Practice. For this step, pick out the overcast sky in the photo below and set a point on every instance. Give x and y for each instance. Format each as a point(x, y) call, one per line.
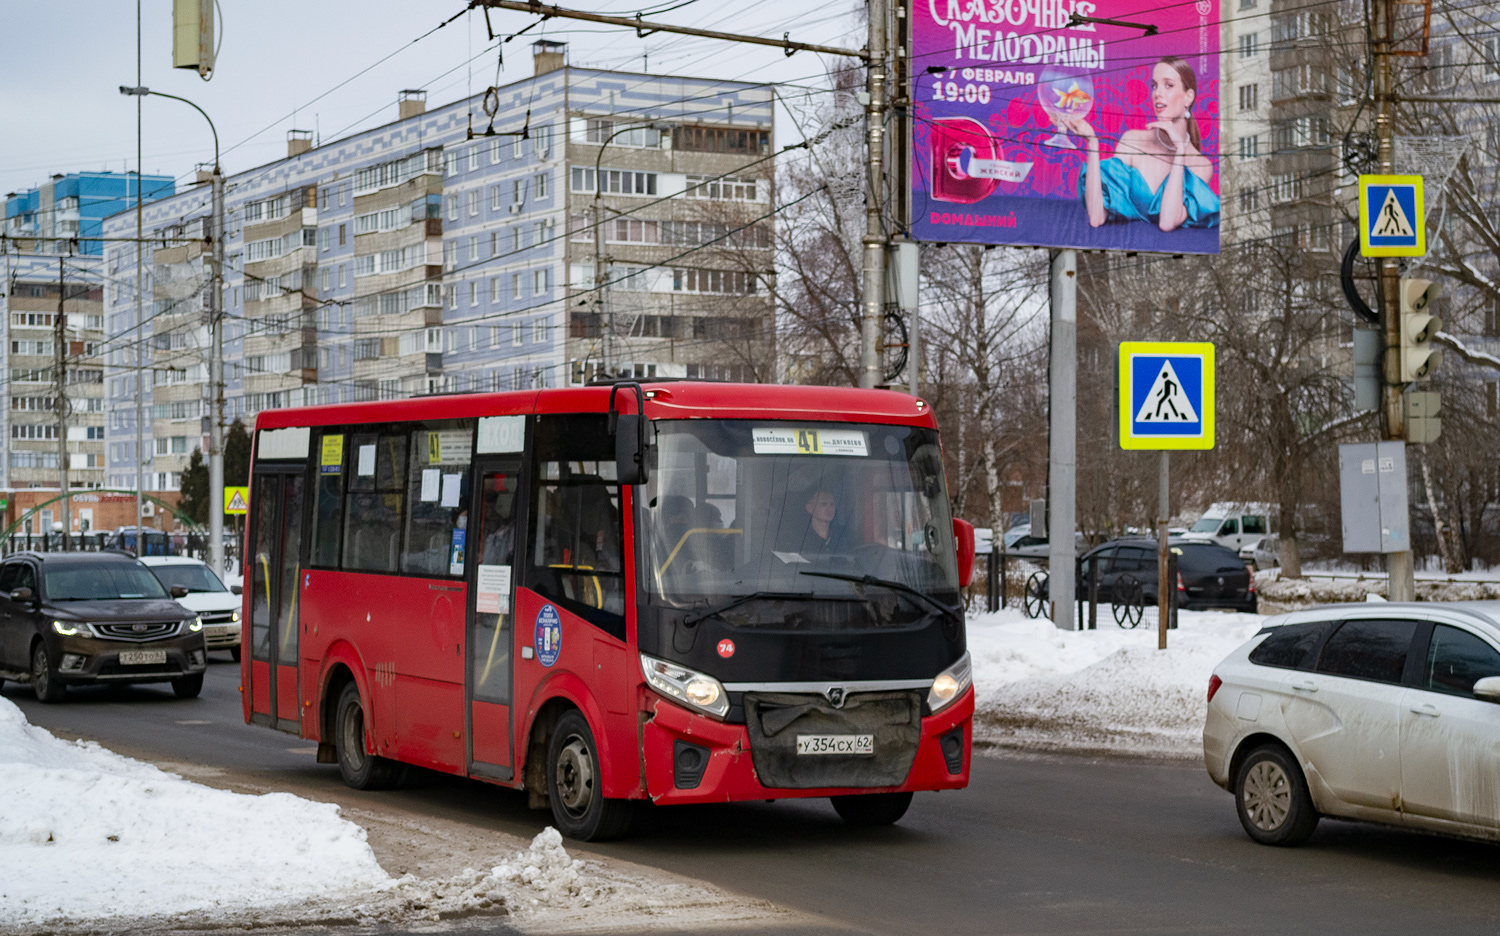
point(64, 63)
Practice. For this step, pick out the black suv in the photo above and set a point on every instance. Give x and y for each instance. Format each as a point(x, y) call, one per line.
point(71, 618)
point(1208, 575)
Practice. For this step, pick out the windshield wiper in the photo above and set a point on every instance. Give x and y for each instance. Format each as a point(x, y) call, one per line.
point(947, 609)
point(738, 600)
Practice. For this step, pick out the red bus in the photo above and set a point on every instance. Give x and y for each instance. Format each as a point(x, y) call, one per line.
point(685, 592)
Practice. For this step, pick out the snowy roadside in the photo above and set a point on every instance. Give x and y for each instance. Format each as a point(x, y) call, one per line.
point(94, 842)
point(1102, 691)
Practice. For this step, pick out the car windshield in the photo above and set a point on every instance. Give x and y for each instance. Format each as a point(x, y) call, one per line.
point(101, 582)
point(1207, 525)
point(194, 577)
point(795, 511)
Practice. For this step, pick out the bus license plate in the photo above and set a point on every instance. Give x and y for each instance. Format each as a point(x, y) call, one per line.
point(142, 657)
point(835, 744)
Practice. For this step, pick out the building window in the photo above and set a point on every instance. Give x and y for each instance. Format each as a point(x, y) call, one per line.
point(539, 331)
point(517, 191)
point(515, 285)
point(1249, 147)
point(473, 203)
point(1249, 200)
point(473, 249)
point(515, 333)
point(1249, 45)
point(494, 198)
point(539, 282)
point(541, 185)
point(473, 292)
point(1249, 96)
point(341, 235)
point(494, 289)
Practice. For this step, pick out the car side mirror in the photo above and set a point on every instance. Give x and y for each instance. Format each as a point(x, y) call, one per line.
point(963, 536)
point(1488, 689)
point(179, 591)
point(236, 590)
point(22, 595)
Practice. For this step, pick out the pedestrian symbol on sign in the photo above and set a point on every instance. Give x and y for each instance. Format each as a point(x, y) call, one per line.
point(1166, 401)
point(1392, 220)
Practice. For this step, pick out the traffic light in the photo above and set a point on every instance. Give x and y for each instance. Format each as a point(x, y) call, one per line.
point(1418, 358)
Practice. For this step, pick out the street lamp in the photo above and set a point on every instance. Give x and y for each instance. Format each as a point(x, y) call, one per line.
point(601, 280)
point(216, 350)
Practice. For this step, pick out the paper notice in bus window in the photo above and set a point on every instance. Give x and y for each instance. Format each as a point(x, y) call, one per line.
point(451, 485)
point(450, 447)
point(332, 461)
point(492, 590)
point(367, 461)
point(431, 481)
point(779, 441)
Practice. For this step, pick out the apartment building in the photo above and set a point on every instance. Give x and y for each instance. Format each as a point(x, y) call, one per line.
point(1244, 114)
point(66, 214)
point(454, 250)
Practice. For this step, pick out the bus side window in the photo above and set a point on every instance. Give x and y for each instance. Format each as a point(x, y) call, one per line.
point(576, 537)
point(372, 520)
point(328, 499)
point(437, 498)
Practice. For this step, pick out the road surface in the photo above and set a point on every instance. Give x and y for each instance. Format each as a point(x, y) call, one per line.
point(1035, 845)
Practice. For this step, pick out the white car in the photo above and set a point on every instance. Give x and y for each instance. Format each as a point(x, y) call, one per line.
point(1382, 712)
point(217, 606)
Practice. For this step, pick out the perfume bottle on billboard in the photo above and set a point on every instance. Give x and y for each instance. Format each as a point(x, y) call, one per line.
point(967, 163)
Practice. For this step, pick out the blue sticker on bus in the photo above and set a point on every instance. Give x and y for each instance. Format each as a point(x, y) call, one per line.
point(548, 635)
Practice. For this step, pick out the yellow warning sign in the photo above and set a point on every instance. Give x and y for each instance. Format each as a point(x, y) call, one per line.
point(236, 500)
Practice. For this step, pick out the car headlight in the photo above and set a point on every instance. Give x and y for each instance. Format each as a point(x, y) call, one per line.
point(196, 624)
point(950, 684)
point(72, 629)
point(234, 617)
point(694, 689)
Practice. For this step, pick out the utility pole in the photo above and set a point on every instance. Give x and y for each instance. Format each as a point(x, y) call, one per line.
point(1400, 566)
point(60, 403)
point(1062, 447)
point(872, 299)
point(216, 377)
point(140, 322)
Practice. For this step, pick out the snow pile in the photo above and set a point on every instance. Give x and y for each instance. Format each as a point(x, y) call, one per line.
point(88, 834)
point(1039, 688)
point(1282, 594)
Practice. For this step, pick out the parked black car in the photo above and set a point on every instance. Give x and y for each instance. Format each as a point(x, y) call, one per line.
point(68, 618)
point(1209, 575)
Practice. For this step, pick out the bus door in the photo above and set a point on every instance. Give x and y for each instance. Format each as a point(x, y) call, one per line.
point(490, 614)
point(275, 566)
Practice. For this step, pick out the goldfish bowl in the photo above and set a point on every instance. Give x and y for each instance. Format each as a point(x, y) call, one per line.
point(1064, 93)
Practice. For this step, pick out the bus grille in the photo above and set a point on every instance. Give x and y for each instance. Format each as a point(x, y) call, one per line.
point(154, 630)
point(774, 720)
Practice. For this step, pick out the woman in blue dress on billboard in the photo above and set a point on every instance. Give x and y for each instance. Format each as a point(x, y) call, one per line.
point(1158, 173)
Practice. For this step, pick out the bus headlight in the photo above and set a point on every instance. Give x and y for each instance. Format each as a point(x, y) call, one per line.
point(694, 689)
point(950, 684)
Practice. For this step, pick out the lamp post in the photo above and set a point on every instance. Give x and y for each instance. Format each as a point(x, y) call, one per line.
point(216, 349)
point(601, 279)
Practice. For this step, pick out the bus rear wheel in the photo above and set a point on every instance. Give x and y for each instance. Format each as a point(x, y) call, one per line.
point(871, 809)
point(575, 785)
point(359, 768)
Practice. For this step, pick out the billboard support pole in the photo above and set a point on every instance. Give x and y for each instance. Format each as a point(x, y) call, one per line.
point(1062, 448)
point(1165, 586)
point(872, 298)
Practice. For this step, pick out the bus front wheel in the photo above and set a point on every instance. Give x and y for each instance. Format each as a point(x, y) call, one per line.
point(575, 787)
point(359, 768)
point(871, 809)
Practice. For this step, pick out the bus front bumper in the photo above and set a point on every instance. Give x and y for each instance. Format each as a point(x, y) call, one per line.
point(730, 776)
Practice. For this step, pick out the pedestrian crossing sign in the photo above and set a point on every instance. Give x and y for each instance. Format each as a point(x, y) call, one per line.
point(1391, 219)
point(1166, 395)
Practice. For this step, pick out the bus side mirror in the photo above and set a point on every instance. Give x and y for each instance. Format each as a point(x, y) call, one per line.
point(630, 455)
point(963, 536)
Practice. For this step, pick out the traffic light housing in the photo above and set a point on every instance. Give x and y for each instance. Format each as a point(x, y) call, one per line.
point(1418, 325)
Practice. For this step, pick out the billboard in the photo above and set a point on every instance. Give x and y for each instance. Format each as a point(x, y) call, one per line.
point(1032, 127)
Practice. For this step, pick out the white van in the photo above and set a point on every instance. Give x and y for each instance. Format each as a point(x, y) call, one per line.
point(1232, 525)
point(217, 606)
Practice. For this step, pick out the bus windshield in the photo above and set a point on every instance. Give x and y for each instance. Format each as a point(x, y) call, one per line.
point(799, 514)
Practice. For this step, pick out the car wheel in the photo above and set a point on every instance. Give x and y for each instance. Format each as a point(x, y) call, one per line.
point(575, 785)
point(44, 683)
point(1271, 796)
point(871, 809)
point(234, 654)
point(359, 768)
point(188, 687)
